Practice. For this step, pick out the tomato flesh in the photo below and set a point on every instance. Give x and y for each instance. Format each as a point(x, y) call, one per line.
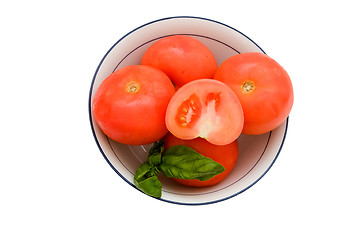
point(189, 111)
point(205, 108)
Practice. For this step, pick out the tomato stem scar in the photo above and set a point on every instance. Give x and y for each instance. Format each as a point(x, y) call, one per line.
point(132, 87)
point(248, 87)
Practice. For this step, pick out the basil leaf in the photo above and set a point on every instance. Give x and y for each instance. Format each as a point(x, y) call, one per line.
point(146, 180)
point(144, 169)
point(151, 186)
point(155, 152)
point(184, 162)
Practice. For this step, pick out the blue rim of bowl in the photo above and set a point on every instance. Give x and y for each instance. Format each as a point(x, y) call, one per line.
point(111, 165)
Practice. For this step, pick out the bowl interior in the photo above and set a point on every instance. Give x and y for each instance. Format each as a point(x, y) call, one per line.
point(256, 153)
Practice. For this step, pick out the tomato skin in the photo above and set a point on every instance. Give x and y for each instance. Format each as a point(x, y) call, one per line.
point(130, 104)
point(182, 58)
point(263, 87)
point(226, 155)
point(205, 108)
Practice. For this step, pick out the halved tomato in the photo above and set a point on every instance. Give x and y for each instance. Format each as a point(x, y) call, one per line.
point(205, 108)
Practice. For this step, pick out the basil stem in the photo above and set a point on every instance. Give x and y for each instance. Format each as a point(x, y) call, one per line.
point(155, 152)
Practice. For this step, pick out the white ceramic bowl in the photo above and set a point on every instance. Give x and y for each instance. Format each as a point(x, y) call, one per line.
point(256, 153)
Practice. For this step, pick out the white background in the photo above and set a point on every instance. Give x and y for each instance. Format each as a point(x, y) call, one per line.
point(55, 184)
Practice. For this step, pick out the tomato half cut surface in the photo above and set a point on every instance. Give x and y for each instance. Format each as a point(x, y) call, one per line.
point(205, 108)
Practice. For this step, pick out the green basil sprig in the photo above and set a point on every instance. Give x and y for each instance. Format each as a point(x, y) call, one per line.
point(177, 162)
point(184, 162)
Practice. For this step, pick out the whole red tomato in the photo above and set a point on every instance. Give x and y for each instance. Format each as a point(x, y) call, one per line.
point(263, 87)
point(226, 155)
point(130, 105)
point(182, 58)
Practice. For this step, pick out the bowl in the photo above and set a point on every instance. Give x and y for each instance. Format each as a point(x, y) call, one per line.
point(257, 153)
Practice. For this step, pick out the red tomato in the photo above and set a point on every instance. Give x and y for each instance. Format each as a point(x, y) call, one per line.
point(263, 87)
point(205, 108)
point(182, 58)
point(226, 155)
point(130, 104)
